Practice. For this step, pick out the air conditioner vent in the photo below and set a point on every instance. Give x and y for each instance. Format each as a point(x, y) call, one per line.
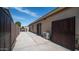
point(46, 35)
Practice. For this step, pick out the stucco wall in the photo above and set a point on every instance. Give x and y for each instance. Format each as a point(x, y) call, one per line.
point(70, 12)
point(46, 24)
point(66, 14)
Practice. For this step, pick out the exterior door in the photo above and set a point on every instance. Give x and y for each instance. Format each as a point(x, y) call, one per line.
point(39, 29)
point(63, 32)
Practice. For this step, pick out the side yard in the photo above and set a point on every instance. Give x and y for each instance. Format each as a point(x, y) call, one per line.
point(28, 41)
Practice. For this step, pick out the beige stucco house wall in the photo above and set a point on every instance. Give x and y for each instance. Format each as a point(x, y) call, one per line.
point(66, 13)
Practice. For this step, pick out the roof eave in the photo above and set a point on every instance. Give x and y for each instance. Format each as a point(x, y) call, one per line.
point(50, 13)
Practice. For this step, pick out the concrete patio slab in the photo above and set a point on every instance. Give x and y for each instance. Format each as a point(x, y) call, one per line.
point(28, 41)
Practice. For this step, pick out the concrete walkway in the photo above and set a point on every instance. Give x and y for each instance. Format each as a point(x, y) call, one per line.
point(28, 41)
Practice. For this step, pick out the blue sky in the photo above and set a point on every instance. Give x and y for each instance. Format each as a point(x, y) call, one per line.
point(27, 15)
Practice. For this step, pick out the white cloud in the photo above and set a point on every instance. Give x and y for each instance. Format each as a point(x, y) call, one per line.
point(26, 11)
point(17, 18)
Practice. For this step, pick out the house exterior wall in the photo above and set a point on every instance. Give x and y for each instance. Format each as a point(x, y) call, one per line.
point(66, 13)
point(46, 22)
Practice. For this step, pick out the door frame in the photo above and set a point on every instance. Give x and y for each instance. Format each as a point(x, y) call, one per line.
point(39, 27)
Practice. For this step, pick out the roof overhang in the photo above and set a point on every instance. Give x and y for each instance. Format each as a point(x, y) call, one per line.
point(53, 12)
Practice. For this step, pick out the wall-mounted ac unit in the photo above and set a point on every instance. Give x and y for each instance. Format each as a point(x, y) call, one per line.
point(46, 35)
